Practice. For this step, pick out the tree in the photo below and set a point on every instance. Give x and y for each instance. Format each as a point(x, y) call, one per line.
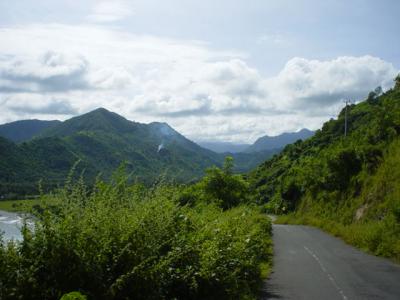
point(224, 187)
point(378, 91)
point(397, 82)
point(373, 95)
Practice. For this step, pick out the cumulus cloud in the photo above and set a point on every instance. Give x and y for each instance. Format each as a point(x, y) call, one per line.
point(204, 93)
point(312, 83)
point(50, 72)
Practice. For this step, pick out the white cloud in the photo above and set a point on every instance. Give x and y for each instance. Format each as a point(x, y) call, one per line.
point(50, 72)
point(105, 11)
point(316, 83)
point(204, 93)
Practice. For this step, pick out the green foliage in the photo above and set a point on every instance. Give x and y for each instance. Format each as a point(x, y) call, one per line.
point(219, 186)
point(24, 205)
point(101, 140)
point(346, 185)
point(397, 82)
point(122, 241)
point(24, 130)
point(73, 296)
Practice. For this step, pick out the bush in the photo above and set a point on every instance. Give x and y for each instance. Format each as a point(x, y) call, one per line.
point(125, 242)
point(220, 187)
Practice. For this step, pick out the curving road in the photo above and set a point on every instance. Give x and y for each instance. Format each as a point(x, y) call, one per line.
point(310, 264)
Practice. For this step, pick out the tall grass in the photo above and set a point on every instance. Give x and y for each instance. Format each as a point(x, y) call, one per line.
point(126, 242)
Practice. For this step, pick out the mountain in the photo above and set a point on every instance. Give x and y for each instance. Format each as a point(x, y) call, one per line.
point(265, 143)
point(243, 161)
point(101, 140)
point(279, 141)
point(348, 185)
point(104, 139)
point(224, 147)
point(24, 130)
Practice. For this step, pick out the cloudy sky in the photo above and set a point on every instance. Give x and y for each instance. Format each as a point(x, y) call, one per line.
point(213, 69)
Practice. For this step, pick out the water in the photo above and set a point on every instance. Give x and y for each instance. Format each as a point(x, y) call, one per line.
point(10, 225)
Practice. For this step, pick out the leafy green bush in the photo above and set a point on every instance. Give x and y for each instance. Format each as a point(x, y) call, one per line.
point(125, 242)
point(219, 186)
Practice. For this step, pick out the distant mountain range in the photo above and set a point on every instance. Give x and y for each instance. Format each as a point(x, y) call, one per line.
point(101, 140)
point(24, 130)
point(224, 147)
point(265, 143)
point(279, 141)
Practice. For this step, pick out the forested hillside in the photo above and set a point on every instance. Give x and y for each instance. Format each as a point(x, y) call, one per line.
point(100, 141)
point(24, 130)
point(349, 185)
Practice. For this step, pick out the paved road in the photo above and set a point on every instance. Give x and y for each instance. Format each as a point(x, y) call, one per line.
point(310, 264)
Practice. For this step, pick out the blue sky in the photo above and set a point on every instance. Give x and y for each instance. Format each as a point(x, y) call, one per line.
point(215, 70)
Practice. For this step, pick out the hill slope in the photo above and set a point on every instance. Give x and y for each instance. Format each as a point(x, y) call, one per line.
point(25, 130)
point(348, 185)
point(101, 140)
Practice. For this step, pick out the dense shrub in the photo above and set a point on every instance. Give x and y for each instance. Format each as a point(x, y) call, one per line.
point(127, 242)
point(220, 186)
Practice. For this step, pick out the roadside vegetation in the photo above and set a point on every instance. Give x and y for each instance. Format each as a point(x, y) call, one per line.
point(370, 221)
point(347, 185)
point(123, 241)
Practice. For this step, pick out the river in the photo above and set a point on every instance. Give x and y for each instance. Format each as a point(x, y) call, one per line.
point(10, 225)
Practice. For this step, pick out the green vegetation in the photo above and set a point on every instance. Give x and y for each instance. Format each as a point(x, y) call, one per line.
point(346, 185)
point(21, 131)
point(220, 186)
point(19, 205)
point(73, 296)
point(101, 141)
point(123, 241)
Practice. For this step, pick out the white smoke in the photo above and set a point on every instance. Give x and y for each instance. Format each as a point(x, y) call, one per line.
point(161, 146)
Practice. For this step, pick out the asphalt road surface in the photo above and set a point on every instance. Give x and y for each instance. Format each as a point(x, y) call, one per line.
point(310, 264)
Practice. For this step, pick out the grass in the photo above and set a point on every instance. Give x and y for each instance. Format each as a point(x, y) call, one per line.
point(27, 205)
point(18, 205)
point(380, 238)
point(368, 219)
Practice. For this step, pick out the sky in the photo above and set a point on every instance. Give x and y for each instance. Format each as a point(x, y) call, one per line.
point(215, 70)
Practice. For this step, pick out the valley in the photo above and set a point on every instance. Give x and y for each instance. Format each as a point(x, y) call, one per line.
point(100, 141)
point(202, 231)
point(199, 150)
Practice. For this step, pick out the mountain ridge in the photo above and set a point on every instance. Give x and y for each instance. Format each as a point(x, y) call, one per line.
point(24, 130)
point(279, 141)
point(101, 140)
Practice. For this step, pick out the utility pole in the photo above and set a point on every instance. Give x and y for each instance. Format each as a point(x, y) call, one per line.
point(347, 102)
